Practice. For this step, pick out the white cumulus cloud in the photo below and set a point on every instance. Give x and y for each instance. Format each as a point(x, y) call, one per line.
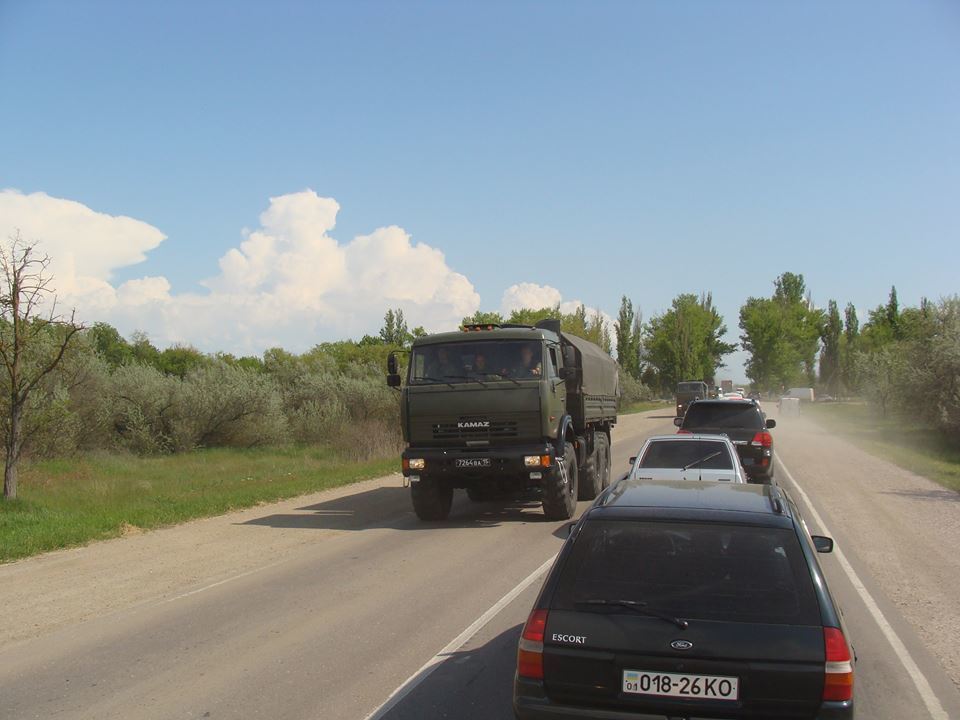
point(289, 282)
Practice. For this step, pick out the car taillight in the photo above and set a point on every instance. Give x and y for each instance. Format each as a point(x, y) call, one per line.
point(530, 652)
point(684, 432)
point(762, 439)
point(838, 673)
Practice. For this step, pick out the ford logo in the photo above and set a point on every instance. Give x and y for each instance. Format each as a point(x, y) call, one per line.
point(681, 644)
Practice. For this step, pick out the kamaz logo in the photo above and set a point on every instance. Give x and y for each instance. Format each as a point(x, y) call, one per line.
point(472, 424)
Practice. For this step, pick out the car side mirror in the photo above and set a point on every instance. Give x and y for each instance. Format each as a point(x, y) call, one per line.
point(391, 365)
point(633, 461)
point(678, 421)
point(771, 423)
point(570, 527)
point(822, 543)
point(393, 380)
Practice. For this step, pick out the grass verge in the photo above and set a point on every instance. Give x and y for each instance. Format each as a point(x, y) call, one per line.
point(903, 442)
point(70, 502)
point(644, 406)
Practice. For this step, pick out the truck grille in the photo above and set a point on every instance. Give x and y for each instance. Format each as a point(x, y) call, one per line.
point(482, 430)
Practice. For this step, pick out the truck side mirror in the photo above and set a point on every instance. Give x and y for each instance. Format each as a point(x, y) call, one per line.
point(393, 380)
point(771, 423)
point(563, 372)
point(392, 364)
point(678, 421)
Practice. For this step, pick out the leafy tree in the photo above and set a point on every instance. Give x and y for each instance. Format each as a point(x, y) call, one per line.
point(684, 342)
point(850, 347)
point(628, 328)
point(32, 342)
point(395, 331)
point(110, 345)
point(882, 375)
point(180, 360)
point(782, 335)
point(830, 353)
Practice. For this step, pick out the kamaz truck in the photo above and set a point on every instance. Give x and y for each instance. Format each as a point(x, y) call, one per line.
point(506, 410)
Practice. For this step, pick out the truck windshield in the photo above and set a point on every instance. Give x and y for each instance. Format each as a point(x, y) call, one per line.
point(694, 387)
point(477, 360)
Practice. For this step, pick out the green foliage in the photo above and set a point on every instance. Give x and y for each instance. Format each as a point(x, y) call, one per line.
point(684, 343)
point(628, 328)
point(579, 322)
point(483, 318)
point(782, 334)
point(830, 373)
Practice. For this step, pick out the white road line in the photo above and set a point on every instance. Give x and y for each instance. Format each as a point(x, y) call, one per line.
point(919, 680)
point(476, 626)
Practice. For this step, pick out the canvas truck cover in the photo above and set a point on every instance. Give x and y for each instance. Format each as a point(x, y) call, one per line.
point(599, 386)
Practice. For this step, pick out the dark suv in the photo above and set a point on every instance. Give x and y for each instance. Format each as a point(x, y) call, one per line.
point(674, 599)
point(746, 426)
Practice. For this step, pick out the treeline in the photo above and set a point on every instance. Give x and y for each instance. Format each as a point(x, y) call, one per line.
point(109, 393)
point(905, 359)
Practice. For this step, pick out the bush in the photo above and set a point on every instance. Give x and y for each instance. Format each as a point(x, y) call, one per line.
point(632, 391)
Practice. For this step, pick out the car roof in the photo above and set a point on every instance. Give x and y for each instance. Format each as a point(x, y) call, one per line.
point(701, 501)
point(687, 437)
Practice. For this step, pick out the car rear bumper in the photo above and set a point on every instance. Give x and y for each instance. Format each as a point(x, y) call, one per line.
point(530, 703)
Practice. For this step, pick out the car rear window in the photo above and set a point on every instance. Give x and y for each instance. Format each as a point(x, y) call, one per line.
point(723, 415)
point(680, 453)
point(706, 571)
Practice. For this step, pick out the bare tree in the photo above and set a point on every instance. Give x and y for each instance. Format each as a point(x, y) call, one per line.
point(32, 341)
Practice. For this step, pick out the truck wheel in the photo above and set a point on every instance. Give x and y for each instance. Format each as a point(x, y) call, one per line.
point(431, 500)
point(560, 497)
point(591, 479)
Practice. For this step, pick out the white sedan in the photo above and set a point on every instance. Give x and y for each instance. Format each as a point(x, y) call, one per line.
point(688, 457)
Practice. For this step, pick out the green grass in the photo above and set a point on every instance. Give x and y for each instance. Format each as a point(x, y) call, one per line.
point(72, 501)
point(644, 406)
point(903, 442)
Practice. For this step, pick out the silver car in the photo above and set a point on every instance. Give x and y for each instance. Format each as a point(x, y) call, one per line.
point(688, 457)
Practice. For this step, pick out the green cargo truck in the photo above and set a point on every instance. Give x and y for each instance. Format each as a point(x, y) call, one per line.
point(501, 410)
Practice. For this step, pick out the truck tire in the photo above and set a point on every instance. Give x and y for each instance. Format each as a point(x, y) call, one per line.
point(591, 480)
point(431, 500)
point(559, 496)
point(603, 459)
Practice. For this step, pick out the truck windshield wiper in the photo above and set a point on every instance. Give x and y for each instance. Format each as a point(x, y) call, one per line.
point(434, 379)
point(702, 460)
point(506, 377)
point(637, 606)
point(468, 378)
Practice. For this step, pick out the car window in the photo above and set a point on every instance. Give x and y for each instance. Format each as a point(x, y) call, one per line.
point(723, 415)
point(707, 571)
point(680, 453)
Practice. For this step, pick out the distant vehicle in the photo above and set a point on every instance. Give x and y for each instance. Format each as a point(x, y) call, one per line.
point(505, 409)
point(754, 395)
point(744, 423)
point(688, 457)
point(681, 600)
point(726, 386)
point(801, 393)
point(687, 392)
point(734, 395)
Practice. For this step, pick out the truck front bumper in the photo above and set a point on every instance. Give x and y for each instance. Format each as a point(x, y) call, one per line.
point(461, 467)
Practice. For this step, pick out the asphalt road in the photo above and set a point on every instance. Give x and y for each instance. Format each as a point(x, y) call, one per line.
point(332, 626)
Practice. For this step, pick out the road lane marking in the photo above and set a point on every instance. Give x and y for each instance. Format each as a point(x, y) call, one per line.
point(906, 659)
point(459, 641)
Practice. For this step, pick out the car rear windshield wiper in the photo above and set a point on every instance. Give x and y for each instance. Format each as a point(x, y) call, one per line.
point(637, 606)
point(702, 460)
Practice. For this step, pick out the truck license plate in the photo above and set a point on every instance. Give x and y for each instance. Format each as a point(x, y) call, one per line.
point(472, 462)
point(705, 687)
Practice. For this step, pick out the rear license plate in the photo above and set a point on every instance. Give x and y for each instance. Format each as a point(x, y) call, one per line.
point(704, 687)
point(472, 462)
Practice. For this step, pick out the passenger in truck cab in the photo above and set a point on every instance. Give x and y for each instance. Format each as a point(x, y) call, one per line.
point(527, 368)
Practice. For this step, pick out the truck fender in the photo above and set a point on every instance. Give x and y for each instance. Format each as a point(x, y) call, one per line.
point(564, 434)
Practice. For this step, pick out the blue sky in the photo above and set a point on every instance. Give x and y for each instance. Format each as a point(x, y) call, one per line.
point(601, 149)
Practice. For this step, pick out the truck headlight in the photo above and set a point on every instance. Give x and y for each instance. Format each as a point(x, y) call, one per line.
point(416, 463)
point(536, 460)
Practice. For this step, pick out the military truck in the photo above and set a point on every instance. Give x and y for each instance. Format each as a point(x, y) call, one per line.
point(506, 410)
point(687, 392)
